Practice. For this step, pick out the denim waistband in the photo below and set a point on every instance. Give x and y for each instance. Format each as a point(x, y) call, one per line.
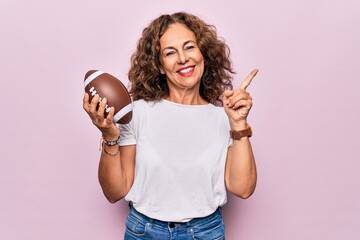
point(195, 221)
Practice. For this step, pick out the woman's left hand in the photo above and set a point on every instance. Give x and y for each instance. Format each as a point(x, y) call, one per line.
point(237, 103)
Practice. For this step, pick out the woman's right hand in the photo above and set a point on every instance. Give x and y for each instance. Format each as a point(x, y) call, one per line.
point(106, 125)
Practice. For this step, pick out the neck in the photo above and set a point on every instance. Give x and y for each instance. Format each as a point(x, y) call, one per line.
point(186, 98)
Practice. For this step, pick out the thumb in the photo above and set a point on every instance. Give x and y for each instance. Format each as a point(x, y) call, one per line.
point(228, 93)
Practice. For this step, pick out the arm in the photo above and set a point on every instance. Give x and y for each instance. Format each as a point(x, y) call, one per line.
point(240, 168)
point(116, 173)
point(116, 168)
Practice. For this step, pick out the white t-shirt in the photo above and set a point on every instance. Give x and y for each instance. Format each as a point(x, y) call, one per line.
point(180, 159)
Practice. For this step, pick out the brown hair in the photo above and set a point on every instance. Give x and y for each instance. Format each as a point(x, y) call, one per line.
point(149, 84)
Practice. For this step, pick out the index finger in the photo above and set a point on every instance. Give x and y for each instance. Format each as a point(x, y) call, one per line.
point(248, 79)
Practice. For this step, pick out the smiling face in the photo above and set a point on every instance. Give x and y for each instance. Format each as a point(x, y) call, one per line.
point(181, 59)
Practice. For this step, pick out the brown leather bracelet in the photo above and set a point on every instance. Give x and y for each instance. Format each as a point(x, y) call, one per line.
point(237, 135)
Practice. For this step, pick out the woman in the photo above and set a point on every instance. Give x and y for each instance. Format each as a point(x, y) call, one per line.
point(176, 159)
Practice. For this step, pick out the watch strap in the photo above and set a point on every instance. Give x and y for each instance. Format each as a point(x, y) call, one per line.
point(237, 135)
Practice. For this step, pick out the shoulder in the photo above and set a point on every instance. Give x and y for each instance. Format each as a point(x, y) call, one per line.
point(219, 113)
point(142, 109)
point(141, 104)
point(219, 110)
point(138, 103)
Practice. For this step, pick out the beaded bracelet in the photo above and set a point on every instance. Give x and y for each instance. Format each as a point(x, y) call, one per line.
point(112, 154)
point(111, 143)
point(102, 142)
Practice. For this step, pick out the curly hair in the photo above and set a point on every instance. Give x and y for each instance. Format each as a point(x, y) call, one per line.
point(149, 84)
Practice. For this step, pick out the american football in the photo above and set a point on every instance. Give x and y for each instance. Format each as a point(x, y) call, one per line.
point(111, 88)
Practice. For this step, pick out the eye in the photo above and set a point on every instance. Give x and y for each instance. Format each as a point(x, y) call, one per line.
point(189, 47)
point(170, 53)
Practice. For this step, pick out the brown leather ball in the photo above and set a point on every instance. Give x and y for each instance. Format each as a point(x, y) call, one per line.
point(111, 88)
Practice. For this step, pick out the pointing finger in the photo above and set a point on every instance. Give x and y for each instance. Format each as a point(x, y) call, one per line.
point(248, 79)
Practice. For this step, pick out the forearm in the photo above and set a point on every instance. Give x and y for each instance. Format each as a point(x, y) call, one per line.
point(111, 174)
point(241, 167)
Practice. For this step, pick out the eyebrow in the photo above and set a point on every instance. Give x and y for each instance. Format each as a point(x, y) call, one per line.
point(171, 47)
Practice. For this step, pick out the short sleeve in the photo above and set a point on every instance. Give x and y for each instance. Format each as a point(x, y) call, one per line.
point(127, 134)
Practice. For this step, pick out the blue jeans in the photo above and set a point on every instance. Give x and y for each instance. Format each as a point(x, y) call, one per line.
point(141, 227)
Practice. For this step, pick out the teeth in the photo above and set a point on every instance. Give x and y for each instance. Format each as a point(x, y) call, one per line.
point(186, 70)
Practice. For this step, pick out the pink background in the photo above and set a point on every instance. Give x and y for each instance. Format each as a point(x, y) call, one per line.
point(305, 117)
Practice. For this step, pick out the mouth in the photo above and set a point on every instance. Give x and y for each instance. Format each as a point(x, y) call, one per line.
point(186, 71)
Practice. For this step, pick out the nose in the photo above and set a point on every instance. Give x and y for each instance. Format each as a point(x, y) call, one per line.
point(183, 57)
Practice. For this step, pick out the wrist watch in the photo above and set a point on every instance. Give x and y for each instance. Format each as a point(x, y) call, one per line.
point(237, 135)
